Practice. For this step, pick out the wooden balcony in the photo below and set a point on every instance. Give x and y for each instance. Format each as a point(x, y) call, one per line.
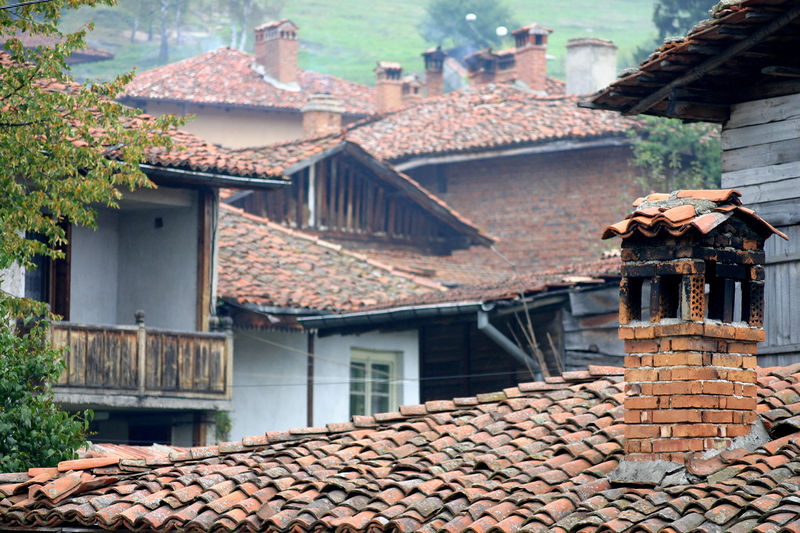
point(139, 367)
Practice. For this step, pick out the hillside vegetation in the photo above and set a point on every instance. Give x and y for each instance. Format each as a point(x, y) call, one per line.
point(346, 37)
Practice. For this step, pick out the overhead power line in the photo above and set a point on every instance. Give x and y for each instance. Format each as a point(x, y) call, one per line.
point(22, 4)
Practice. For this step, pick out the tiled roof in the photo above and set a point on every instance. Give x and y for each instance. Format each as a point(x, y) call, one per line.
point(266, 264)
point(188, 152)
point(281, 156)
point(727, 59)
point(530, 458)
point(83, 55)
point(226, 77)
point(484, 117)
point(687, 210)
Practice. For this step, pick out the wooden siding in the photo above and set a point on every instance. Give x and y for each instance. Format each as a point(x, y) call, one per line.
point(761, 158)
point(341, 198)
point(135, 360)
point(590, 329)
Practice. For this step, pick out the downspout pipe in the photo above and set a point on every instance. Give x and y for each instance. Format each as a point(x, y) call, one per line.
point(505, 343)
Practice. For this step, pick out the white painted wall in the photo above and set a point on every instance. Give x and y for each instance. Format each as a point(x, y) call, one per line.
point(12, 280)
point(269, 381)
point(158, 266)
point(93, 283)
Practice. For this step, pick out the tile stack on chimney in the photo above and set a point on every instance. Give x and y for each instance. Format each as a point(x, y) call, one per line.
point(591, 64)
point(412, 90)
point(530, 56)
point(690, 368)
point(434, 71)
point(322, 115)
point(276, 50)
point(388, 86)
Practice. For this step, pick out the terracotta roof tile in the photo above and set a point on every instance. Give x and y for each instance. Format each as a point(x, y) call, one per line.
point(534, 462)
point(483, 117)
point(267, 264)
point(686, 210)
point(226, 77)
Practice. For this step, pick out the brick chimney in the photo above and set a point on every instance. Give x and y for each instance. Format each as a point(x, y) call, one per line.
point(276, 50)
point(388, 86)
point(322, 115)
point(591, 65)
point(690, 349)
point(434, 71)
point(412, 90)
point(531, 56)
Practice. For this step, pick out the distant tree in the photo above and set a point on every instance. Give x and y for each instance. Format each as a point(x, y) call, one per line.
point(676, 17)
point(56, 142)
point(244, 15)
point(674, 155)
point(447, 19)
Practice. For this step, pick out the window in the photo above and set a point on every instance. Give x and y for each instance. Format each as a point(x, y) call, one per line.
point(374, 384)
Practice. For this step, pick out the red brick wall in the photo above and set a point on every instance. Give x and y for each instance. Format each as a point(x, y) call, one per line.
point(434, 83)
point(531, 66)
point(321, 123)
point(547, 210)
point(388, 95)
point(279, 58)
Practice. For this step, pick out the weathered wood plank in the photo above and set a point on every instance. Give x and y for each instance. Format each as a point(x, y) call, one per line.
point(594, 302)
point(216, 369)
point(201, 374)
point(760, 134)
point(169, 363)
point(768, 192)
point(761, 156)
point(60, 338)
point(186, 364)
point(764, 111)
point(95, 359)
point(128, 360)
point(77, 357)
point(153, 361)
point(112, 339)
point(340, 193)
point(759, 175)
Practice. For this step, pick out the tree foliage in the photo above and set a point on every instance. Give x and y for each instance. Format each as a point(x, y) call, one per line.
point(676, 17)
point(446, 20)
point(64, 147)
point(674, 155)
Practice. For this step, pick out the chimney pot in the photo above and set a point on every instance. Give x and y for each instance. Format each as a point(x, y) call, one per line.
point(388, 86)
point(690, 367)
point(276, 50)
point(530, 56)
point(591, 64)
point(322, 115)
point(434, 71)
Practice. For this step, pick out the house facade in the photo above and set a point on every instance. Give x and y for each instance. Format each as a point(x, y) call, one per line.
point(733, 71)
point(238, 99)
point(136, 302)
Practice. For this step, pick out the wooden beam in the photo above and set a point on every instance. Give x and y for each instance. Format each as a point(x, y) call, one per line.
point(784, 72)
point(700, 70)
point(206, 200)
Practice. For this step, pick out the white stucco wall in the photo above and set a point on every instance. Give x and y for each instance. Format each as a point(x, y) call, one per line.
point(93, 274)
point(12, 280)
point(158, 266)
point(269, 381)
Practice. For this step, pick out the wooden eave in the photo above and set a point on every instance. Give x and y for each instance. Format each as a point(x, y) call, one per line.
point(745, 55)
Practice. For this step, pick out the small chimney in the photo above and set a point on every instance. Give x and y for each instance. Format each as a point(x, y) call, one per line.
point(276, 50)
point(322, 115)
point(690, 365)
point(591, 65)
point(434, 71)
point(531, 56)
point(388, 86)
point(412, 90)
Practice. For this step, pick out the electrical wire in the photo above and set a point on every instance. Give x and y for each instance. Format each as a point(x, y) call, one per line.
point(391, 382)
point(22, 4)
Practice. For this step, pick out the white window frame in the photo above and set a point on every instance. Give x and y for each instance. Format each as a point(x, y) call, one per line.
point(369, 357)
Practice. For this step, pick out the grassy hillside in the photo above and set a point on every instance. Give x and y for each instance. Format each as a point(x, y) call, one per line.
point(346, 37)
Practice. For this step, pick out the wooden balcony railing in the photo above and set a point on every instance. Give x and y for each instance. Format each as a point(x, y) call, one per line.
point(144, 362)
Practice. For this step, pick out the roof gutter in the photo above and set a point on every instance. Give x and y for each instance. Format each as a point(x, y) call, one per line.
point(213, 179)
point(504, 342)
point(371, 318)
point(277, 310)
point(551, 147)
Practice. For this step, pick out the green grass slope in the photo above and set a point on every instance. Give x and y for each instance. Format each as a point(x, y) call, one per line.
point(346, 37)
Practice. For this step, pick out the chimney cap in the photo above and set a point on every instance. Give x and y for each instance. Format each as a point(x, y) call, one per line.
point(277, 24)
point(323, 102)
point(434, 52)
point(590, 41)
point(386, 66)
point(533, 29)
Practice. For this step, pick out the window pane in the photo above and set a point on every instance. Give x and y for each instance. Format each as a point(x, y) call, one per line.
point(380, 378)
point(358, 374)
point(357, 405)
point(379, 403)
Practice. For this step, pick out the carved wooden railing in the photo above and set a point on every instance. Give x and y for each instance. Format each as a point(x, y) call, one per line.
point(145, 361)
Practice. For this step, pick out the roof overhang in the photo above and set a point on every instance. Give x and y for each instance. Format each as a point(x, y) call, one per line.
point(539, 148)
point(178, 176)
point(137, 101)
point(743, 54)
